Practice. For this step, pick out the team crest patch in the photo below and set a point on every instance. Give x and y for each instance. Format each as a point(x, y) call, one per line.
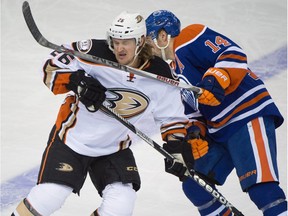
point(139, 18)
point(84, 46)
point(64, 167)
point(127, 102)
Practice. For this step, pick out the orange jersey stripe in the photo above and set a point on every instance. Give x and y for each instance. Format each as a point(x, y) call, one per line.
point(56, 83)
point(62, 124)
point(66, 118)
point(239, 109)
point(233, 56)
point(173, 128)
point(178, 131)
point(45, 157)
point(266, 173)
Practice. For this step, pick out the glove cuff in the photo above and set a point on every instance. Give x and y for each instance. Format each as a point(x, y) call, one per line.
point(199, 126)
point(220, 74)
point(74, 80)
point(173, 146)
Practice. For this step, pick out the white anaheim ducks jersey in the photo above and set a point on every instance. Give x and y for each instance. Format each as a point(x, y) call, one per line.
point(132, 96)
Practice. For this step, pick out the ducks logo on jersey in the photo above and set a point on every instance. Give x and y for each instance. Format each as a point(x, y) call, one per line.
point(127, 102)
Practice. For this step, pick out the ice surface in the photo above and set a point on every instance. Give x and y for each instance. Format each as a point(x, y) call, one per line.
point(28, 109)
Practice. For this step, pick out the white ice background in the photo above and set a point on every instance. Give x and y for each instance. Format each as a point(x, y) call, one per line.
point(29, 109)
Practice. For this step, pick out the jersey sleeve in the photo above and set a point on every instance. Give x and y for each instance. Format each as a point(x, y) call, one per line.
point(199, 48)
point(57, 69)
point(169, 114)
point(169, 111)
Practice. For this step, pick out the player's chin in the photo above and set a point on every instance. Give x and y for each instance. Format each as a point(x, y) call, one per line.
point(123, 61)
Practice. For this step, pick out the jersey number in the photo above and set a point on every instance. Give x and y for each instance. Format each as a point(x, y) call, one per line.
point(215, 47)
point(64, 58)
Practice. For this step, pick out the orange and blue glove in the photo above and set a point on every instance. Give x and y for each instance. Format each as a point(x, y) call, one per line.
point(214, 83)
point(186, 151)
point(195, 137)
point(199, 147)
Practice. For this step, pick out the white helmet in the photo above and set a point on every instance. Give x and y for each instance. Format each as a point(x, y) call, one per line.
point(127, 26)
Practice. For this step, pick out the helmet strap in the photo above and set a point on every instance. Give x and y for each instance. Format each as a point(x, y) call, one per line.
point(138, 49)
point(163, 48)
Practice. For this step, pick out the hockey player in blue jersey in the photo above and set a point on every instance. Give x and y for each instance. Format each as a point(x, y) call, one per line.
point(237, 117)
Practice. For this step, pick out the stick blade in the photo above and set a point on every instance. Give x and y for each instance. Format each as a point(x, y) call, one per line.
point(30, 22)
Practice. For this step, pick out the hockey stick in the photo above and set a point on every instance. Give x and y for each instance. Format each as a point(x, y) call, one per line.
point(192, 173)
point(44, 42)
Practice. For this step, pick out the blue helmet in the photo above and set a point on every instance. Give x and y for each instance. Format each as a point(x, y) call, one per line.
point(162, 19)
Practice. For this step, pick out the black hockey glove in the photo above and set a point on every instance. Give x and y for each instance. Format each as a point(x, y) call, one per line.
point(90, 91)
point(182, 152)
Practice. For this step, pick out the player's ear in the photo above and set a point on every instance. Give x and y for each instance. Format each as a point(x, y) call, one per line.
point(162, 36)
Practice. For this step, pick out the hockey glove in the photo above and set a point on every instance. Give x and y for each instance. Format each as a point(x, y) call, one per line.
point(183, 159)
point(89, 90)
point(196, 139)
point(214, 83)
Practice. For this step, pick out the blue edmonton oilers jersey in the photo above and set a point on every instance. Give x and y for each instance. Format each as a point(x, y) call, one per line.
point(197, 48)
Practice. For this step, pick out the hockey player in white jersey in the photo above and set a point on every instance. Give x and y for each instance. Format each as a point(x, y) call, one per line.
point(85, 139)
